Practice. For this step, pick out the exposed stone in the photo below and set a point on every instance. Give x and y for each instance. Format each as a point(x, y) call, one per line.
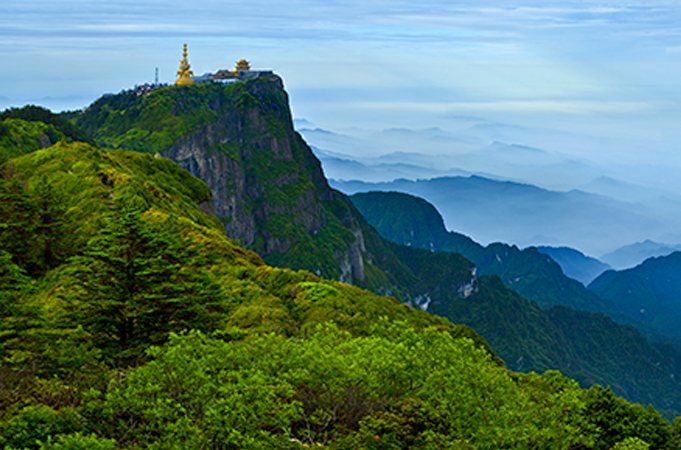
point(263, 134)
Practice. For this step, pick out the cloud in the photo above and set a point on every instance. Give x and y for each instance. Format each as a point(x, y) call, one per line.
point(571, 57)
point(529, 106)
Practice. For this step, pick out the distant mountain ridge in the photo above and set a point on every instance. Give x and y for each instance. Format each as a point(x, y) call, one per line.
point(381, 169)
point(634, 254)
point(648, 295)
point(270, 193)
point(527, 336)
point(576, 264)
point(491, 211)
point(412, 221)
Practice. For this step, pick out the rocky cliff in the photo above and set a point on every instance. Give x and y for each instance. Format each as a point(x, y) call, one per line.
point(268, 188)
point(270, 193)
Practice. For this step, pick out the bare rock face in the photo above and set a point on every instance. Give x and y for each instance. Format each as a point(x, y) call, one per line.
point(268, 187)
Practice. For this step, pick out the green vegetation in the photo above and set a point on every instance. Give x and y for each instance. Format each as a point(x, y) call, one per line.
point(148, 328)
point(19, 136)
point(38, 114)
point(238, 138)
point(155, 121)
point(409, 220)
point(271, 195)
point(27, 129)
point(646, 296)
point(588, 347)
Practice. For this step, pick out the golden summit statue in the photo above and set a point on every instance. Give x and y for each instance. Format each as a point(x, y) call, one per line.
point(184, 75)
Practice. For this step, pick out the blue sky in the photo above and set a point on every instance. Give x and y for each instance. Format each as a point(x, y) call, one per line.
point(603, 69)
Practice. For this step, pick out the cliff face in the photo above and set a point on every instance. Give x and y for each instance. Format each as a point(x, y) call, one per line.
point(239, 142)
point(270, 193)
point(268, 187)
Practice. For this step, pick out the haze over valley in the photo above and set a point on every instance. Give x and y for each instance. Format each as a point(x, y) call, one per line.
point(313, 224)
point(513, 192)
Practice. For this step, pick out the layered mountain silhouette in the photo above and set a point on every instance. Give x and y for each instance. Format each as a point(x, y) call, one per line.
point(634, 254)
point(412, 221)
point(490, 210)
point(575, 264)
point(270, 194)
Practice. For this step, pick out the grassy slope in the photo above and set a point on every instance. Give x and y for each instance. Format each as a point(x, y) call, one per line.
point(402, 378)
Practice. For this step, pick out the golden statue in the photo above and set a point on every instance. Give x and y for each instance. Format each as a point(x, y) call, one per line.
point(242, 66)
point(184, 75)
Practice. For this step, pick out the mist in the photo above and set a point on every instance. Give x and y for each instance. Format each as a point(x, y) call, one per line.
point(554, 198)
point(569, 95)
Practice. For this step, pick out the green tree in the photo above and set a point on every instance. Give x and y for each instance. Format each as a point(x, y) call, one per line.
point(33, 225)
point(616, 420)
point(631, 443)
point(138, 280)
point(33, 113)
point(17, 221)
point(78, 441)
point(52, 236)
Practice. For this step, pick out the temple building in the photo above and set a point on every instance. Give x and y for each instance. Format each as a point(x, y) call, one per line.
point(184, 75)
point(242, 71)
point(242, 66)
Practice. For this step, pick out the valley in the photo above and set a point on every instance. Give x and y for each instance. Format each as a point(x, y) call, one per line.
point(201, 205)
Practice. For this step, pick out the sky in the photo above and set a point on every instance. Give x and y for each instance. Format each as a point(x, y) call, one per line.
point(603, 70)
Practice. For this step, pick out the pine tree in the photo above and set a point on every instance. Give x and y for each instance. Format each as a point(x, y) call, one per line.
point(138, 282)
point(51, 240)
point(17, 221)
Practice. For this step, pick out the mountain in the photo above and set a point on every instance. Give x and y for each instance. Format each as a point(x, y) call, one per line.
point(591, 347)
point(269, 189)
point(240, 140)
point(23, 130)
point(341, 167)
point(144, 216)
point(622, 190)
point(364, 143)
point(131, 320)
point(124, 252)
point(335, 142)
point(110, 257)
point(575, 264)
point(412, 221)
point(270, 194)
point(490, 210)
point(525, 335)
point(647, 295)
point(634, 254)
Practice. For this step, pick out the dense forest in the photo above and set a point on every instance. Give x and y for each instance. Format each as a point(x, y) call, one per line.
point(129, 319)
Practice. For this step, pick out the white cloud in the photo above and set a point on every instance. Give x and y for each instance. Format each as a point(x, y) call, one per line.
point(528, 106)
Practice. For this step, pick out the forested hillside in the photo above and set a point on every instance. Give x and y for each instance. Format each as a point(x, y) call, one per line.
point(412, 221)
point(270, 194)
point(590, 347)
point(23, 130)
point(97, 353)
point(646, 295)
